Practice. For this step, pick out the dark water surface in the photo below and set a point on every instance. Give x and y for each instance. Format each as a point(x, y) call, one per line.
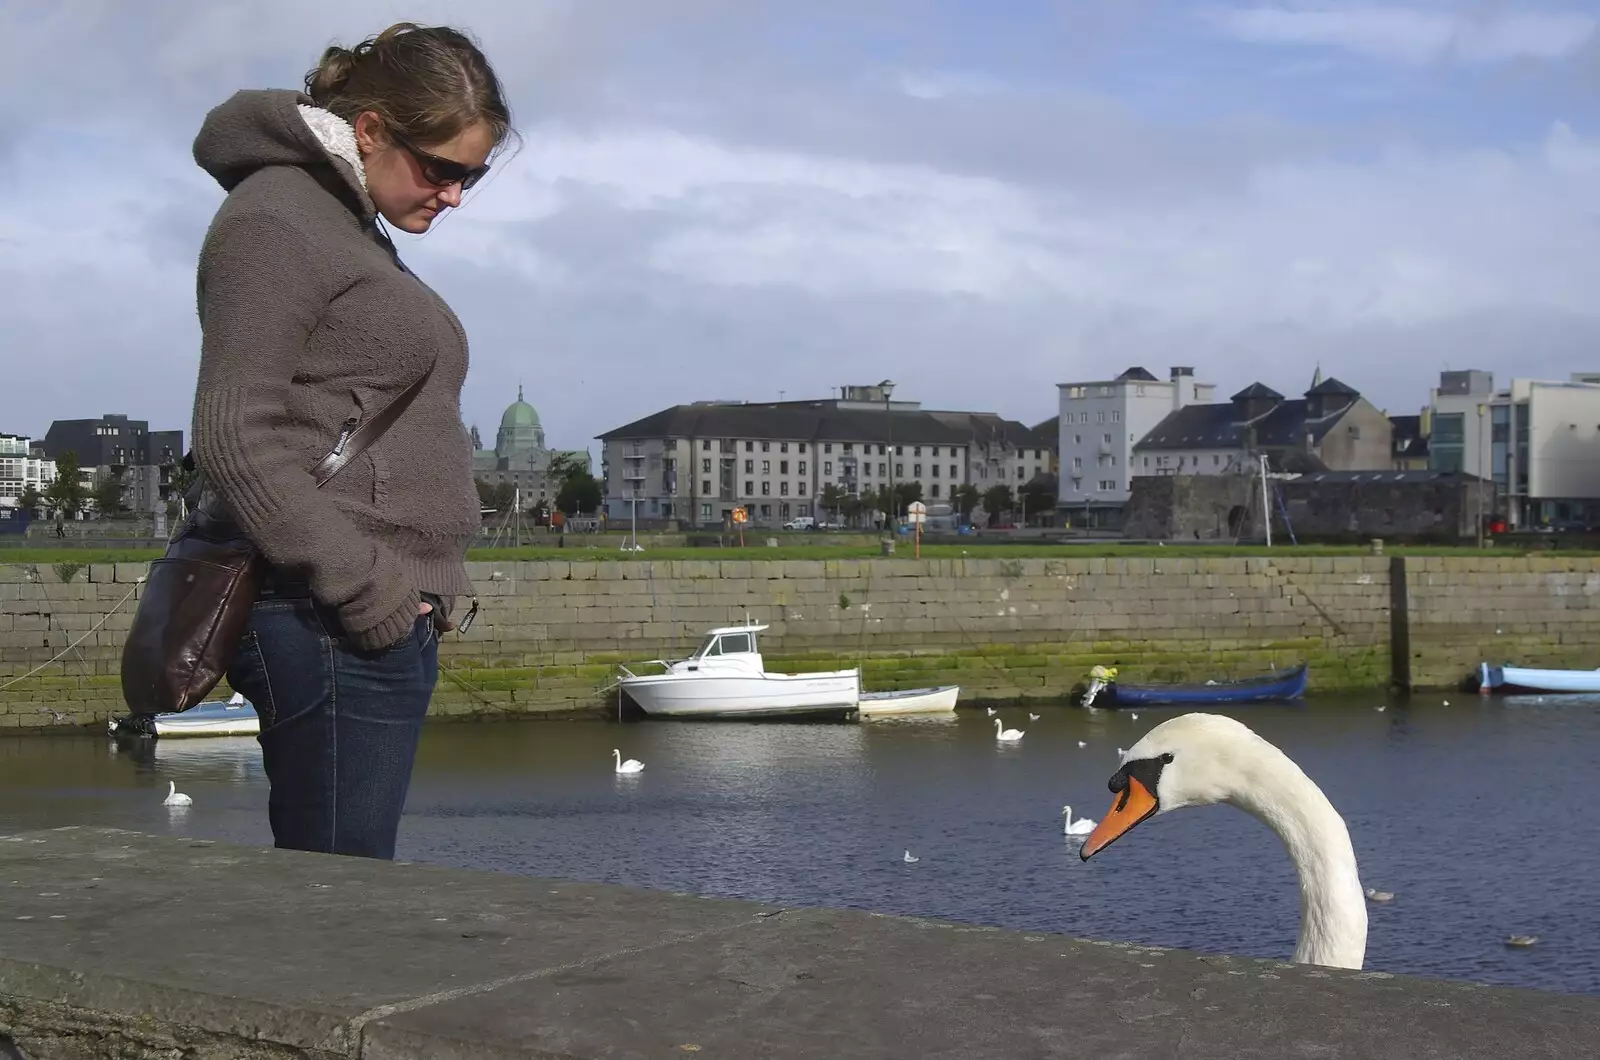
point(1478, 815)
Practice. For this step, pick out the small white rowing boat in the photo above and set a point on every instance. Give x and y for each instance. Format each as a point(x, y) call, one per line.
point(938, 700)
point(236, 717)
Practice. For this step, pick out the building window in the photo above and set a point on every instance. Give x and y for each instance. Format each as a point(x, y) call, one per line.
point(1139, 390)
point(899, 470)
point(766, 511)
point(1215, 460)
point(827, 447)
point(766, 489)
point(1106, 438)
point(933, 451)
point(749, 447)
point(705, 443)
point(724, 446)
point(766, 467)
point(1020, 474)
point(916, 450)
point(953, 471)
point(849, 447)
point(916, 470)
point(935, 489)
point(827, 467)
point(783, 447)
point(783, 489)
point(705, 487)
point(1355, 430)
point(705, 510)
point(802, 467)
point(749, 467)
point(749, 487)
point(705, 467)
point(783, 467)
point(801, 448)
point(1100, 417)
point(1077, 463)
point(802, 489)
point(881, 467)
point(766, 447)
point(935, 469)
point(1116, 415)
point(880, 450)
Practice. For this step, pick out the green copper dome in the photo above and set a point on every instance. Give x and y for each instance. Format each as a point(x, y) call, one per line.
point(519, 414)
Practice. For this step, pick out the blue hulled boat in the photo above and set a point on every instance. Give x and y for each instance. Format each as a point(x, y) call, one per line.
point(1513, 679)
point(1105, 691)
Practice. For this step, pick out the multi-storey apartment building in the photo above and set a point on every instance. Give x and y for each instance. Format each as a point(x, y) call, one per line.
point(1100, 422)
point(22, 464)
point(695, 463)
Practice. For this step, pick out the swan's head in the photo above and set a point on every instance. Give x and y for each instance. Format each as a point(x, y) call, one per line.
point(1191, 760)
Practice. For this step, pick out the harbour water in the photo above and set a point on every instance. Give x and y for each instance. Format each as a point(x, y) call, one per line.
point(1475, 814)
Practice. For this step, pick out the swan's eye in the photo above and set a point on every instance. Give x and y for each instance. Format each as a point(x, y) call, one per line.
point(1166, 756)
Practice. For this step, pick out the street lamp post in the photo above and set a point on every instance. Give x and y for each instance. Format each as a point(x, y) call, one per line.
point(887, 386)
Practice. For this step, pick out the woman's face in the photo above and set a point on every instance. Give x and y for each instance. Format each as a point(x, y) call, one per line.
point(412, 183)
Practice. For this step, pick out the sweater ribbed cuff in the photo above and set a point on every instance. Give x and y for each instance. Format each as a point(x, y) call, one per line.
point(390, 631)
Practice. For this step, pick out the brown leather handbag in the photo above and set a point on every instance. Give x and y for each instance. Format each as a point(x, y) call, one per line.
point(197, 597)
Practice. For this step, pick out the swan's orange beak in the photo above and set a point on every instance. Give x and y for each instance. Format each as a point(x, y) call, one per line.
point(1132, 805)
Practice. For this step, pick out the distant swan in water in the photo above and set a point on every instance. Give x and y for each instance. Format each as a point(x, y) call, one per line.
point(1375, 895)
point(1032, 716)
point(1008, 735)
point(1082, 826)
point(632, 765)
point(176, 797)
point(910, 858)
point(1198, 759)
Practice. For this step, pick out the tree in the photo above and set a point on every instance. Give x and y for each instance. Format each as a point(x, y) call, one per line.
point(997, 499)
point(497, 495)
point(30, 500)
point(965, 497)
point(1039, 495)
point(578, 494)
point(108, 503)
point(905, 493)
point(832, 498)
point(563, 466)
point(66, 494)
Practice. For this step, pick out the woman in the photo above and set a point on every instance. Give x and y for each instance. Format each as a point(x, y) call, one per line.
point(311, 324)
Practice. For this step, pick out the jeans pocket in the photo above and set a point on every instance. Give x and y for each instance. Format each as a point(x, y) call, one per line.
point(248, 675)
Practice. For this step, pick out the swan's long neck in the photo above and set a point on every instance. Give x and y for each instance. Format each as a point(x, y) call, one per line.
point(1333, 909)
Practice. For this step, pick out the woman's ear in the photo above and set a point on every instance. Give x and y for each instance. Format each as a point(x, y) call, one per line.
point(369, 132)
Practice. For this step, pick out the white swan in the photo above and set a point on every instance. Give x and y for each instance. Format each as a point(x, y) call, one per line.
point(910, 858)
point(632, 765)
point(1032, 716)
point(1198, 759)
point(1008, 735)
point(1082, 826)
point(176, 797)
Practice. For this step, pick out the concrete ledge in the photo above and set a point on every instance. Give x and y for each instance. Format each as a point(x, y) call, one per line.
point(123, 945)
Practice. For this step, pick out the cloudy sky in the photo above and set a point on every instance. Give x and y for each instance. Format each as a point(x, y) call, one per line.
point(748, 198)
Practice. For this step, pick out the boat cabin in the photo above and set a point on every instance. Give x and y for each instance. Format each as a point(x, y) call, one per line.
point(731, 640)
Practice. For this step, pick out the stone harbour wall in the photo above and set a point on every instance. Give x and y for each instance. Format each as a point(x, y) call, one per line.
point(550, 634)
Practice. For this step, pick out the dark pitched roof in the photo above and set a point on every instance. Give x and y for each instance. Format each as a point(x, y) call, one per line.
point(1257, 390)
point(1408, 438)
point(1046, 435)
point(1138, 374)
point(1219, 426)
point(1333, 388)
point(823, 422)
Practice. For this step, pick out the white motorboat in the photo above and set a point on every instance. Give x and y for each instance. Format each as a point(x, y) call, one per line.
point(236, 717)
point(941, 700)
point(726, 678)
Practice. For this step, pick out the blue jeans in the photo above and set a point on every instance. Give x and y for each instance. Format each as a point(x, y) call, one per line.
point(339, 727)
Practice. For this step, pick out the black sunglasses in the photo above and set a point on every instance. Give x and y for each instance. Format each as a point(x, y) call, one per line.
point(442, 172)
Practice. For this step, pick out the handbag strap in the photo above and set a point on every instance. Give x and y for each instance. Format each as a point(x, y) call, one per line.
point(353, 443)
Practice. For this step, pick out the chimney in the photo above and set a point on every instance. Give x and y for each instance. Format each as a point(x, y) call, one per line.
point(1182, 386)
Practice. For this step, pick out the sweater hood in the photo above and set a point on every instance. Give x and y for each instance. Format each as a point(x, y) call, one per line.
point(258, 128)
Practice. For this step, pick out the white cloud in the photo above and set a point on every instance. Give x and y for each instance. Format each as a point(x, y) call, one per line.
point(1413, 35)
point(670, 233)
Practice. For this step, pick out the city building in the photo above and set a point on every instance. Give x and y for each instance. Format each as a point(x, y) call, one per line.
point(1538, 441)
point(694, 464)
point(1409, 441)
point(1100, 422)
point(22, 464)
point(520, 456)
point(113, 441)
point(115, 446)
point(1331, 428)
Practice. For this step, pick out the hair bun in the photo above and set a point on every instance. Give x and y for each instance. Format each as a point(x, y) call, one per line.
point(331, 74)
